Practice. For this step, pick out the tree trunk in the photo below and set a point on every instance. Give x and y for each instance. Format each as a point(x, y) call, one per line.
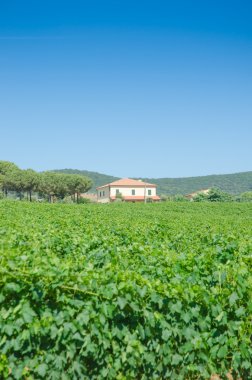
point(30, 194)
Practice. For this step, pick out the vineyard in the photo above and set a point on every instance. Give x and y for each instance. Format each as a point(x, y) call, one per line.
point(125, 291)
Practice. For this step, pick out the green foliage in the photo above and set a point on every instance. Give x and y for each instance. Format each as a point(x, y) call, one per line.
point(57, 185)
point(217, 195)
point(173, 198)
point(213, 195)
point(53, 185)
point(200, 197)
point(178, 198)
point(84, 200)
point(123, 291)
point(164, 197)
point(6, 173)
point(246, 197)
point(6, 167)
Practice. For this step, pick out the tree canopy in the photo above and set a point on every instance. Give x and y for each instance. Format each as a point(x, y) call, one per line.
point(47, 184)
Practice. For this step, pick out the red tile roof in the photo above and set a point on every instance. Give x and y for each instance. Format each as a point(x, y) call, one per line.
point(125, 182)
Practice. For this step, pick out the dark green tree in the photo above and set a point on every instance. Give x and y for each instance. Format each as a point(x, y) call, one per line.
point(217, 195)
point(201, 197)
point(6, 170)
point(56, 185)
point(77, 185)
point(30, 181)
point(52, 185)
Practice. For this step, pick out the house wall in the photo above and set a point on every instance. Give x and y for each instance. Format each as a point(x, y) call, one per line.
point(103, 195)
point(127, 191)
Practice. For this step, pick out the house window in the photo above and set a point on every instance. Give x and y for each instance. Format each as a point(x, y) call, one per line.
point(149, 192)
point(133, 192)
point(100, 193)
point(103, 193)
point(117, 191)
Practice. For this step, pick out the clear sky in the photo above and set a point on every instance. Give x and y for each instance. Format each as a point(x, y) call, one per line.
point(129, 88)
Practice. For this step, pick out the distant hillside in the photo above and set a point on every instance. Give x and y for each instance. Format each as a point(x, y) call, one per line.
point(232, 183)
point(97, 178)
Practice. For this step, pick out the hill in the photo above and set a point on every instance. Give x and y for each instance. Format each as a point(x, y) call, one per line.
point(232, 183)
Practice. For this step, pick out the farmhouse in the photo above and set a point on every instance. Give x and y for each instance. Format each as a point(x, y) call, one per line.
point(129, 190)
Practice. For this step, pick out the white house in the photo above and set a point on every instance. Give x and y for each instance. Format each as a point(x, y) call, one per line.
point(130, 190)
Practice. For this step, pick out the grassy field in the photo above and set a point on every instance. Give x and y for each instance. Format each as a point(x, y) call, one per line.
point(125, 291)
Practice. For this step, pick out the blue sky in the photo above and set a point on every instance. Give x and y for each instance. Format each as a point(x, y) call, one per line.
point(127, 88)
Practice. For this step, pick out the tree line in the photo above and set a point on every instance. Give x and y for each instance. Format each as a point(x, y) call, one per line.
point(213, 195)
point(49, 185)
